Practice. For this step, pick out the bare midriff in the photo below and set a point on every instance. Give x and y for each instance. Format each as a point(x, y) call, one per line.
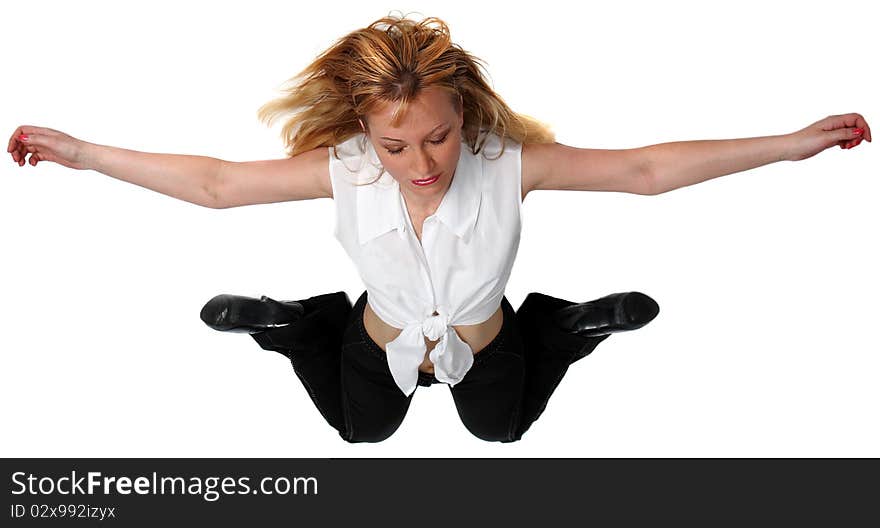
point(476, 336)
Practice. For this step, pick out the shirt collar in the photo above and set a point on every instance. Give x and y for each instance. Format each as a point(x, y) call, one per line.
point(381, 207)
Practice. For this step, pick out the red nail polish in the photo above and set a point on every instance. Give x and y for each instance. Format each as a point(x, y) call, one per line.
point(858, 131)
point(23, 137)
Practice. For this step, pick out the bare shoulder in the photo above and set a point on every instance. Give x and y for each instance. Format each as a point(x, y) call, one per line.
point(535, 164)
point(314, 167)
point(305, 176)
point(321, 166)
point(554, 166)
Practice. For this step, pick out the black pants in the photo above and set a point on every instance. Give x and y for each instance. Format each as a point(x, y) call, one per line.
point(347, 376)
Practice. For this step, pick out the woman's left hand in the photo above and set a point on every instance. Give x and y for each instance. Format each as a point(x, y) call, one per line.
point(845, 130)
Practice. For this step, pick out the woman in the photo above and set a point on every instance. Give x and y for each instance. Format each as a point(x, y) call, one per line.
point(428, 169)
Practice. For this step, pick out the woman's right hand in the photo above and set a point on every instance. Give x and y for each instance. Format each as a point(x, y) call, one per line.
point(46, 144)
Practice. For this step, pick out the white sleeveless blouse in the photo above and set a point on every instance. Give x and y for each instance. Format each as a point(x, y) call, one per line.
point(459, 269)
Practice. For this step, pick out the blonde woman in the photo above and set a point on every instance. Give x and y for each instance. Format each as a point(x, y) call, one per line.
point(428, 169)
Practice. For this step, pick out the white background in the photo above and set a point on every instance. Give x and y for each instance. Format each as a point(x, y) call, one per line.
point(765, 345)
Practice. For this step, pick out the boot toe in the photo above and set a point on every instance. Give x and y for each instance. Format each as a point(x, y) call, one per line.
point(640, 309)
point(237, 313)
point(216, 311)
point(618, 312)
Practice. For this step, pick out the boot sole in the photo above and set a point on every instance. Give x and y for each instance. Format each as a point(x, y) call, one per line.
point(238, 314)
point(631, 311)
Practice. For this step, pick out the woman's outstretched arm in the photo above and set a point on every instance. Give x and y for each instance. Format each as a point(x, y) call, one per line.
point(201, 180)
point(185, 177)
point(682, 163)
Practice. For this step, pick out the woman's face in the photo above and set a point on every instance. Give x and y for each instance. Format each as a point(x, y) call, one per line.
point(426, 143)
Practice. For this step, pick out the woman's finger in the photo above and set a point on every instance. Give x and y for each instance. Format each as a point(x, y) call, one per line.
point(866, 134)
point(22, 152)
point(859, 122)
point(23, 129)
point(19, 146)
point(12, 140)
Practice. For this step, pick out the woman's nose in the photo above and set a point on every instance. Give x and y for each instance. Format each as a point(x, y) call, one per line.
point(424, 163)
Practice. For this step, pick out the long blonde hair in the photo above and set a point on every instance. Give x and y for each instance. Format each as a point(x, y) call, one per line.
point(392, 60)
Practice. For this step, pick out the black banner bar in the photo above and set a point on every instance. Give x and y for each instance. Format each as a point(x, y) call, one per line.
point(144, 492)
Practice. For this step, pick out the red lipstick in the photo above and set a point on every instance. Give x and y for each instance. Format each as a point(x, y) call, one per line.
point(427, 181)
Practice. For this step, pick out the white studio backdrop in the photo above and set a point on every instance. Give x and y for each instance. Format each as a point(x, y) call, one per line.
point(765, 345)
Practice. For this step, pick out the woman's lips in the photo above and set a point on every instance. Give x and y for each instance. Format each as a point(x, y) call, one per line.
point(427, 181)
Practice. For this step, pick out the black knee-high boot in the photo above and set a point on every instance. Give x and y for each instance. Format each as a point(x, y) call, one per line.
point(618, 312)
point(236, 313)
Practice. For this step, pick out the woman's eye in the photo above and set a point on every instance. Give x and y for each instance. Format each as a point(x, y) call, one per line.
point(434, 142)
